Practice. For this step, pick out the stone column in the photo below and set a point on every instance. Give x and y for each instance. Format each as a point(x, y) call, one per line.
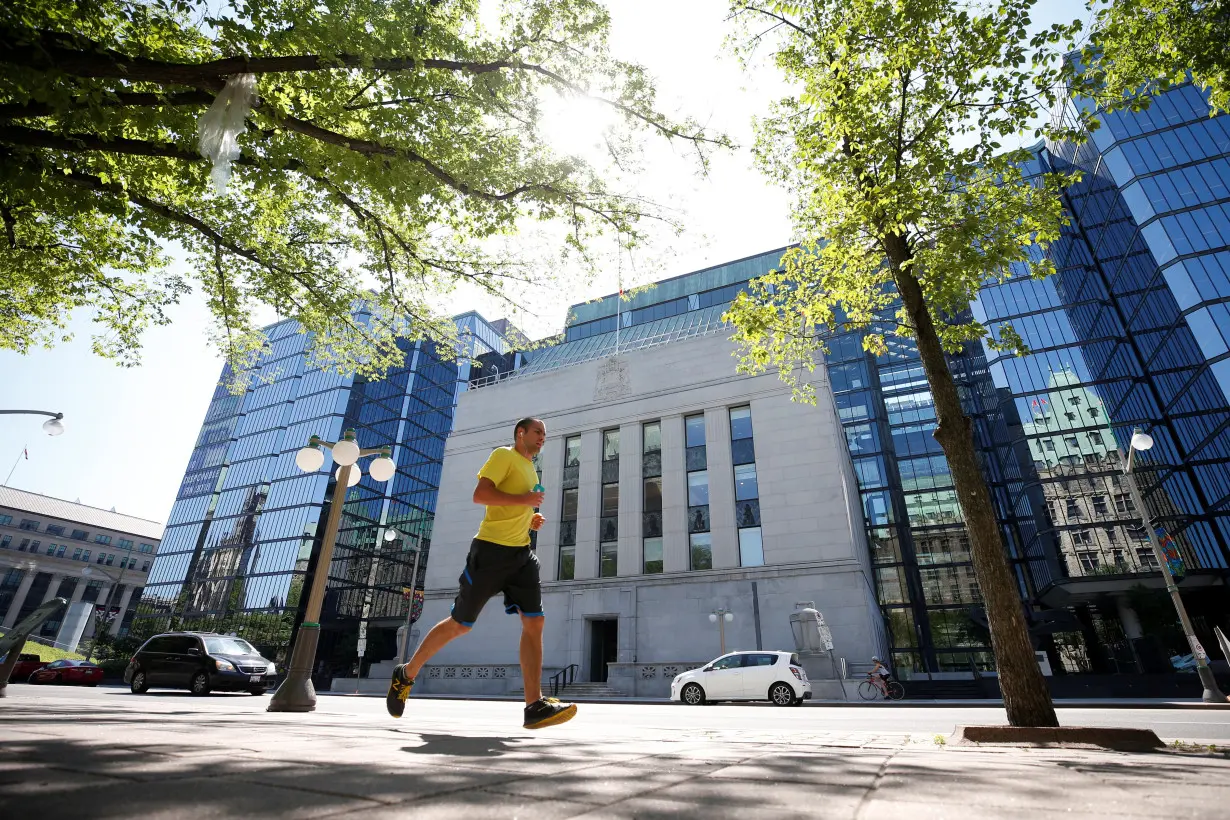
point(78, 591)
point(119, 619)
point(19, 598)
point(588, 499)
point(631, 500)
point(552, 461)
point(53, 587)
point(674, 496)
point(721, 489)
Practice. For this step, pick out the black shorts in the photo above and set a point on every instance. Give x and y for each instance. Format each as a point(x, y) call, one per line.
point(493, 568)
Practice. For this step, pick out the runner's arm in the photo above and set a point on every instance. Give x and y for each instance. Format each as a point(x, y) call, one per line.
point(485, 493)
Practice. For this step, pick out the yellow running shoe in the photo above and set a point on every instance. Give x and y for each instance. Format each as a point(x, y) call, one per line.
point(399, 690)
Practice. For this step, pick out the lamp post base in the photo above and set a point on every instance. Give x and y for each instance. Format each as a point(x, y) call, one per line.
point(297, 694)
point(1211, 693)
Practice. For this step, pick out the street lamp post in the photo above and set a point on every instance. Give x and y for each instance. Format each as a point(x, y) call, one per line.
point(115, 582)
point(53, 426)
point(721, 617)
point(1143, 441)
point(297, 694)
point(404, 649)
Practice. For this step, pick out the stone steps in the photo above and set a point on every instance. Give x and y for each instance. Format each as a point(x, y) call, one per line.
point(584, 690)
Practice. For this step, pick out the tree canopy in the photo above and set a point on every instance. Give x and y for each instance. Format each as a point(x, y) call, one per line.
point(904, 140)
point(1138, 47)
point(389, 145)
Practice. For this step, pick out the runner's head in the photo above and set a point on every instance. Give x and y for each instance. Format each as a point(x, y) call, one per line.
point(529, 435)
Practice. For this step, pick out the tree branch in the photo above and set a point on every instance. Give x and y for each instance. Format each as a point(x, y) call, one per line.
point(121, 99)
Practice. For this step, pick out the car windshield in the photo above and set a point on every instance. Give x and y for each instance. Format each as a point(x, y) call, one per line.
point(229, 646)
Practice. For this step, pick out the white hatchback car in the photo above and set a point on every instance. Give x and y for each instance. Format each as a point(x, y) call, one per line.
point(777, 677)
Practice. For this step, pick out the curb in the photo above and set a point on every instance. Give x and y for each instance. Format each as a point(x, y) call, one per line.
point(836, 704)
point(1115, 740)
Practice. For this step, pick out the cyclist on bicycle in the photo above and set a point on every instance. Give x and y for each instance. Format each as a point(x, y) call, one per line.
point(879, 675)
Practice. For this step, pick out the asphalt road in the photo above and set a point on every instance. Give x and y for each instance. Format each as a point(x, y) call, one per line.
point(634, 720)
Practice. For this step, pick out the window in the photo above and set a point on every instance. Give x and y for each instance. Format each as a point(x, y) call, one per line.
point(102, 539)
point(740, 423)
point(1072, 509)
point(80, 535)
point(608, 522)
point(1071, 442)
point(125, 544)
point(6, 519)
point(568, 509)
point(1146, 557)
point(651, 515)
point(1099, 505)
point(77, 554)
point(60, 550)
point(110, 559)
point(567, 563)
point(55, 529)
point(729, 662)
point(51, 549)
point(751, 547)
point(34, 545)
point(651, 454)
point(145, 566)
point(694, 439)
point(572, 462)
point(28, 524)
point(102, 556)
point(760, 660)
point(653, 555)
point(5, 541)
point(1088, 561)
point(85, 556)
point(608, 559)
point(701, 552)
point(1123, 503)
point(698, 488)
point(25, 542)
point(1049, 444)
point(1082, 537)
point(147, 548)
point(1095, 438)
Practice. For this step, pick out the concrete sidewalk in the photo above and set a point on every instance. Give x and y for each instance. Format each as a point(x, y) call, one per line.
point(177, 757)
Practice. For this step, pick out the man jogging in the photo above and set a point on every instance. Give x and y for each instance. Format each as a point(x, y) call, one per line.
point(500, 560)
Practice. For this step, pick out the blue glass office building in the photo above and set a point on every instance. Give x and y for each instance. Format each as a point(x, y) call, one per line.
point(242, 537)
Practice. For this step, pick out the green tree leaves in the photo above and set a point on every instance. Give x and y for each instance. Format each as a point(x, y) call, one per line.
point(390, 142)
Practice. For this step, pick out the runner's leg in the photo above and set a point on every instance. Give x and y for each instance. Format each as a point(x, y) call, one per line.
point(435, 640)
point(531, 656)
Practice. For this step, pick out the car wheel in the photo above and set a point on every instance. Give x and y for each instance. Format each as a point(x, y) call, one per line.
point(58, 679)
point(139, 684)
point(259, 690)
point(200, 683)
point(782, 694)
point(693, 695)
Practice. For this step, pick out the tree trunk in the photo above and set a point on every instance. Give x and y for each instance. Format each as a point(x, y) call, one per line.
point(1026, 696)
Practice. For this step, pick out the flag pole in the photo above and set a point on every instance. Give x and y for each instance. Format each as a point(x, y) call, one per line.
point(619, 299)
point(15, 463)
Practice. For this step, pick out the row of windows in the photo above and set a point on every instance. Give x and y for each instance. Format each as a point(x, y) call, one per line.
point(32, 525)
point(61, 550)
point(747, 508)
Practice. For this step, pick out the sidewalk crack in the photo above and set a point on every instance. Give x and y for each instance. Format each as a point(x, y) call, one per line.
point(875, 784)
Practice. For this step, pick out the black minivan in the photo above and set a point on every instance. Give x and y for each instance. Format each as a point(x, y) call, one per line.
point(200, 662)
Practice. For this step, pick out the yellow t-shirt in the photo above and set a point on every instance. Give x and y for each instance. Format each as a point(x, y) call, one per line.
point(514, 474)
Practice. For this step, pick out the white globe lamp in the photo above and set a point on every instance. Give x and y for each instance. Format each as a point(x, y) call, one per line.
point(1141, 441)
point(309, 459)
point(729, 617)
point(356, 473)
point(345, 452)
point(382, 469)
point(53, 427)
point(712, 617)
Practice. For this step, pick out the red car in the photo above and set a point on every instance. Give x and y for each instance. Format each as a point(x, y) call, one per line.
point(69, 672)
point(27, 664)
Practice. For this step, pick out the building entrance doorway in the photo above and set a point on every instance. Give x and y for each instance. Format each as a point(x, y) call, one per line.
point(603, 646)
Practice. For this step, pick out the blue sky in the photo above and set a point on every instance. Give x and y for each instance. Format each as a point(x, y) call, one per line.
point(130, 430)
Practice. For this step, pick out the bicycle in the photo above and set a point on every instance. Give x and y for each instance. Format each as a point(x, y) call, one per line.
point(870, 690)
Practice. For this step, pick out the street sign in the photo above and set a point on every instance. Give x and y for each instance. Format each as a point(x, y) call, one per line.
point(1170, 551)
